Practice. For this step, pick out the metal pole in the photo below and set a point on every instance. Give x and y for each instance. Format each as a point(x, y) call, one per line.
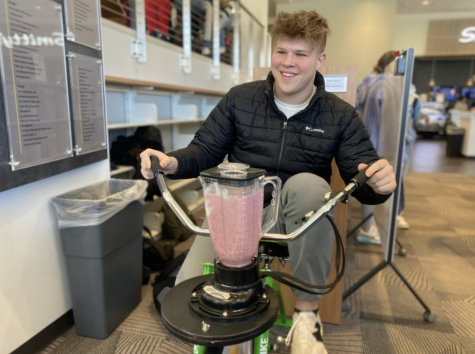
point(269, 50)
point(363, 280)
point(236, 44)
point(409, 287)
point(139, 44)
point(358, 226)
point(408, 70)
point(251, 52)
point(216, 44)
point(185, 58)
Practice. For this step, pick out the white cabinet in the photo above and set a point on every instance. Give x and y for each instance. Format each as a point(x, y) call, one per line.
point(178, 112)
point(179, 115)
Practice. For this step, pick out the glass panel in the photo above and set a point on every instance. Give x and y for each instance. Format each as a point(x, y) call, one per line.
point(82, 22)
point(391, 143)
point(88, 103)
point(34, 79)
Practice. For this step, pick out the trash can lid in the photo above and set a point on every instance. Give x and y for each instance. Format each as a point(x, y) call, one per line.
point(455, 130)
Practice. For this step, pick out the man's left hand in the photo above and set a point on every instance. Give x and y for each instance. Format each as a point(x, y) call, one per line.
point(383, 179)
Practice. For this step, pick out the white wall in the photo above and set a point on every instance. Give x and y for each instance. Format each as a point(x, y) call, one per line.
point(163, 61)
point(411, 30)
point(259, 8)
point(33, 281)
point(360, 30)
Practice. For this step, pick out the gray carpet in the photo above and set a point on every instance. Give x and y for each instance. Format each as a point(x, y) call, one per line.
point(384, 318)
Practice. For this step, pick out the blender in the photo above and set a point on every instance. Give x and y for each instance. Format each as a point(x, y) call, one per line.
point(234, 198)
point(234, 305)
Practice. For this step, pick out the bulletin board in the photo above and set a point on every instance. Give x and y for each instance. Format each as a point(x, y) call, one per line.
point(11, 177)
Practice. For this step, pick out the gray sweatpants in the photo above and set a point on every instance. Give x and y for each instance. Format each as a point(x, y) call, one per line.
point(310, 255)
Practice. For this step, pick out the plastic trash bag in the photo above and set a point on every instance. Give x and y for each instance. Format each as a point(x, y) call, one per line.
point(94, 204)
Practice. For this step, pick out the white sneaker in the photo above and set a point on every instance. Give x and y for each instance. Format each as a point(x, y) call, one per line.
point(401, 223)
point(306, 334)
point(370, 236)
point(205, 51)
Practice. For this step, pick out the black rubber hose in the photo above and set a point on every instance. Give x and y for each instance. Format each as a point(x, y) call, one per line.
point(298, 284)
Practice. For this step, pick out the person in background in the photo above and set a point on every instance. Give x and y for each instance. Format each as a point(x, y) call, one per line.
point(461, 104)
point(369, 100)
point(157, 16)
point(291, 127)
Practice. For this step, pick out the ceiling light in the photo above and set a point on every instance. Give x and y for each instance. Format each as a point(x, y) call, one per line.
point(425, 2)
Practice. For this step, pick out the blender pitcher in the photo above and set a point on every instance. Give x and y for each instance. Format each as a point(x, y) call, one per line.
point(234, 199)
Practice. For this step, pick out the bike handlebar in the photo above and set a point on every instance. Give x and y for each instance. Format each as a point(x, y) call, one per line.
point(311, 218)
point(156, 168)
point(360, 177)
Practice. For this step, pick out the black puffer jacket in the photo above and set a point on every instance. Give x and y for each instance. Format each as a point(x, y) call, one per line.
point(248, 126)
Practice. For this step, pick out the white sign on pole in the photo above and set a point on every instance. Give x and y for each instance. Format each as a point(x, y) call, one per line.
point(336, 83)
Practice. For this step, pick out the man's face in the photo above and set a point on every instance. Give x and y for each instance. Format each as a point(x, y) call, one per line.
point(294, 64)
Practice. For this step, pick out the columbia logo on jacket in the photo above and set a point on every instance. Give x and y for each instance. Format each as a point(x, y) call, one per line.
point(314, 130)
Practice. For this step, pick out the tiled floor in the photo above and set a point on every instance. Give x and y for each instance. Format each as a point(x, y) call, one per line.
point(430, 156)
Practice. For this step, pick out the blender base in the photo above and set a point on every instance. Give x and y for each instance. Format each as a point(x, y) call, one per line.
point(184, 324)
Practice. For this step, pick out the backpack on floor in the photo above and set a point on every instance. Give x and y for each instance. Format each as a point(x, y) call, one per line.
point(166, 280)
point(157, 255)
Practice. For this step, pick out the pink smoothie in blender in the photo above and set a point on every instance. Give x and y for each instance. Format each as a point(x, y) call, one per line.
point(234, 207)
point(235, 225)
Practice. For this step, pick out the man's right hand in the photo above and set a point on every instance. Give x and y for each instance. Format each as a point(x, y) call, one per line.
point(168, 164)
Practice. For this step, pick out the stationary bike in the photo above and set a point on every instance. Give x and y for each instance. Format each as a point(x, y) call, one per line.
point(234, 301)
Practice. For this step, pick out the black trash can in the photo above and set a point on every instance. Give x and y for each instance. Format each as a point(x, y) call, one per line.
point(103, 251)
point(455, 137)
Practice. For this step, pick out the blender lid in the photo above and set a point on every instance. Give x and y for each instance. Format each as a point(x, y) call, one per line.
point(233, 172)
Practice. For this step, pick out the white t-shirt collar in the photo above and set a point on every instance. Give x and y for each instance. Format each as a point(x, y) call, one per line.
point(292, 109)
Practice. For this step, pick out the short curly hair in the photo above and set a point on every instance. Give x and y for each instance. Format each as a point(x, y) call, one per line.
point(307, 25)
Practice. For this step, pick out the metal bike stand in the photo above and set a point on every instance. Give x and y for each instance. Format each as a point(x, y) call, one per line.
point(404, 67)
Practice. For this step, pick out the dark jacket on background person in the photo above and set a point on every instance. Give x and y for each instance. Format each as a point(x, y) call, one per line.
point(247, 126)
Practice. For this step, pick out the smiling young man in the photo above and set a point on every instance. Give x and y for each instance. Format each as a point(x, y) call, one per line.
point(291, 127)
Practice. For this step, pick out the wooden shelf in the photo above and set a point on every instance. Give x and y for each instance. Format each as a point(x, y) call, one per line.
point(174, 185)
point(122, 169)
point(158, 122)
point(158, 85)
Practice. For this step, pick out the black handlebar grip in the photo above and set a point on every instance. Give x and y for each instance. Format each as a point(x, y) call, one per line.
point(360, 177)
point(156, 168)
